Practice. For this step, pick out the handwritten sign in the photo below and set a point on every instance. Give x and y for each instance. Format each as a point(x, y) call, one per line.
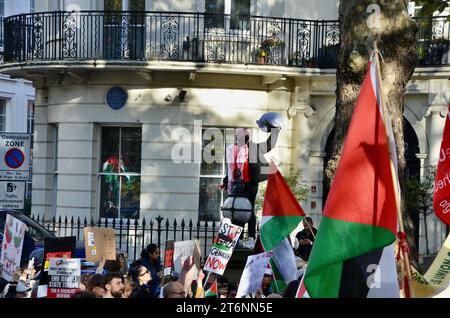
point(184, 249)
point(12, 246)
point(253, 274)
point(100, 242)
point(223, 247)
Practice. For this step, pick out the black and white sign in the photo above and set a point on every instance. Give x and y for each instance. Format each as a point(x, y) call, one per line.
point(15, 156)
point(12, 195)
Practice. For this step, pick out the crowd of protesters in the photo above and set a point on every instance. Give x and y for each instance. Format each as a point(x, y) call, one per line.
point(142, 279)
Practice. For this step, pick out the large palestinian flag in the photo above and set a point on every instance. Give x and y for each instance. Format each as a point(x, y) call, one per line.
point(353, 253)
point(281, 215)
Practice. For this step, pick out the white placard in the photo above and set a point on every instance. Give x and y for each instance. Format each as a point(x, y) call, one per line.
point(12, 246)
point(253, 274)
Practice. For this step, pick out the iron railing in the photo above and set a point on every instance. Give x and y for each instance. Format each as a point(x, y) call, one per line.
point(133, 235)
point(174, 36)
point(192, 37)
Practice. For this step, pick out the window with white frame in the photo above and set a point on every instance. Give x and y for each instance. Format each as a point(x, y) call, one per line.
point(238, 10)
point(2, 115)
point(212, 171)
point(120, 172)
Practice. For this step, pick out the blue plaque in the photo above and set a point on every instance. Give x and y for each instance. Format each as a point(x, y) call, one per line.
point(116, 98)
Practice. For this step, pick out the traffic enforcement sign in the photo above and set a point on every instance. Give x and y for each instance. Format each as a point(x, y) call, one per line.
point(15, 156)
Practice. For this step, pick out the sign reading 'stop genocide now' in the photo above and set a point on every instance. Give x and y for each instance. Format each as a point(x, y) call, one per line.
point(15, 157)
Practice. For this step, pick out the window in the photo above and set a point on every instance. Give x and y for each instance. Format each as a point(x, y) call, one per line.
point(240, 10)
point(214, 143)
point(2, 115)
point(120, 172)
point(119, 44)
point(2, 8)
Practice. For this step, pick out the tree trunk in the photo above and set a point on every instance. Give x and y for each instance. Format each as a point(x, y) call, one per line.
point(397, 43)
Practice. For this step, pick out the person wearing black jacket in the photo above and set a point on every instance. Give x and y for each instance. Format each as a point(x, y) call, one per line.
point(248, 157)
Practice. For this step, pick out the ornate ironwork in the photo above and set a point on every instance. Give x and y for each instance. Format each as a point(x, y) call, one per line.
point(169, 46)
point(191, 37)
point(215, 45)
point(37, 39)
point(69, 30)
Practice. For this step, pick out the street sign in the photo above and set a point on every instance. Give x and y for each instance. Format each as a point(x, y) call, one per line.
point(15, 156)
point(12, 195)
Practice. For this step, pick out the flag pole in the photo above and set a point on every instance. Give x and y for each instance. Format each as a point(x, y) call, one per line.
point(404, 256)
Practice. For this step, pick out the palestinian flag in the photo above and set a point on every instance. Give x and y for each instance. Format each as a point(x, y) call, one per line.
point(212, 291)
point(281, 215)
point(353, 253)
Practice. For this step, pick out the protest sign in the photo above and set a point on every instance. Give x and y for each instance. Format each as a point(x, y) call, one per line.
point(100, 242)
point(64, 276)
point(184, 249)
point(253, 274)
point(223, 247)
point(54, 248)
point(12, 246)
point(168, 261)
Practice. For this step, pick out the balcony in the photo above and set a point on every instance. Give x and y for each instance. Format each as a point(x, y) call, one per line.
point(191, 37)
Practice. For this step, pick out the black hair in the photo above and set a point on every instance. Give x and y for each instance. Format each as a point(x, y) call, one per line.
point(109, 277)
point(135, 273)
point(291, 289)
point(84, 294)
point(309, 219)
point(138, 292)
point(150, 249)
point(95, 281)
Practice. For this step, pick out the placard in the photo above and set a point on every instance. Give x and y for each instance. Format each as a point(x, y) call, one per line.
point(253, 274)
point(64, 277)
point(12, 244)
point(184, 249)
point(223, 247)
point(100, 242)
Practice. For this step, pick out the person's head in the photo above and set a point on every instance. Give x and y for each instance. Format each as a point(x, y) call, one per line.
point(84, 294)
point(307, 221)
point(140, 293)
point(113, 285)
point(232, 291)
point(95, 285)
point(174, 290)
point(242, 136)
point(274, 296)
point(222, 287)
point(152, 252)
point(128, 288)
point(291, 289)
point(84, 281)
point(140, 275)
point(266, 283)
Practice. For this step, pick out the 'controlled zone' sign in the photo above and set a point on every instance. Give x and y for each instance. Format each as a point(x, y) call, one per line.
point(15, 157)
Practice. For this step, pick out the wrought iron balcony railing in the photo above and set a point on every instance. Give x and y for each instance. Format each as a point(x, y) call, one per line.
point(191, 37)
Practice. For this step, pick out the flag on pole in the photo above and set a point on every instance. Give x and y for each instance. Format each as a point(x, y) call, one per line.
point(353, 252)
point(441, 200)
point(281, 215)
point(212, 291)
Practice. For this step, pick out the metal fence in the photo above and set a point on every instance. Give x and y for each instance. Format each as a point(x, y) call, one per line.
point(174, 36)
point(133, 235)
point(193, 37)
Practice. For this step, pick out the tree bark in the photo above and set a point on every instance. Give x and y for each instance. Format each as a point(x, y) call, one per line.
point(397, 42)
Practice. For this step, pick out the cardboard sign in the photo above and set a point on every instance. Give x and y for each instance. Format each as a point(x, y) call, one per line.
point(253, 274)
point(182, 250)
point(168, 261)
point(64, 276)
point(223, 247)
point(54, 248)
point(12, 244)
point(100, 242)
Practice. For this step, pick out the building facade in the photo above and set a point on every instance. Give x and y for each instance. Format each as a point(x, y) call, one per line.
point(186, 74)
point(16, 95)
